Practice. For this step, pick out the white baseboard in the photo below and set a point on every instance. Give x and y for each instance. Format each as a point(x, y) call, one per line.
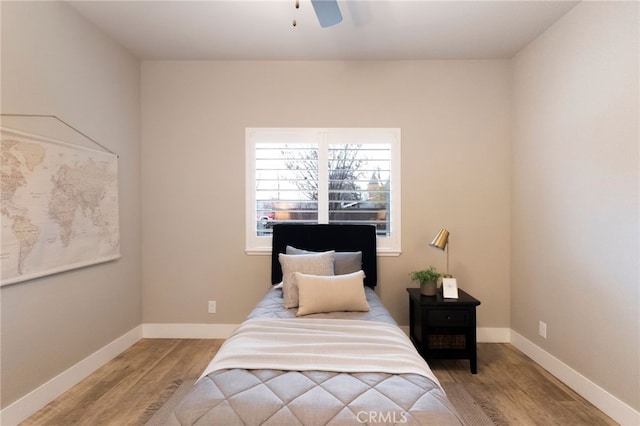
point(607, 403)
point(187, 331)
point(29, 404)
point(493, 335)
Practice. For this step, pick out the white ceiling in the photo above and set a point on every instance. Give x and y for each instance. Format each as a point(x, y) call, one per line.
point(371, 29)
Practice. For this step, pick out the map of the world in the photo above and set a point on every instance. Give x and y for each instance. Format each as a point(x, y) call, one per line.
point(59, 206)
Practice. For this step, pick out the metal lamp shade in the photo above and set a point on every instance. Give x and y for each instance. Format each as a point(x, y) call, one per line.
point(440, 241)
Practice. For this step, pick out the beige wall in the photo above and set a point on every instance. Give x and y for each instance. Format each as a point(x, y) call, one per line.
point(455, 121)
point(575, 194)
point(53, 62)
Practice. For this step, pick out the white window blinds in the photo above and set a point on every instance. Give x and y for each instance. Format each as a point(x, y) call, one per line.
point(323, 176)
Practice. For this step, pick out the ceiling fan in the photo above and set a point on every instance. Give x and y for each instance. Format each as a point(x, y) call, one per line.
point(327, 11)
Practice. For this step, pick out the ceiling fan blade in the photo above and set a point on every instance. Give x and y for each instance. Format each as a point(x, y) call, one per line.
point(327, 11)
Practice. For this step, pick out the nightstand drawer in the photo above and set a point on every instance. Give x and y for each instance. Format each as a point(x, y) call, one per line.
point(450, 318)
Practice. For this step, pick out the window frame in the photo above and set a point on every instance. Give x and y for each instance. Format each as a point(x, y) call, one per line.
point(323, 137)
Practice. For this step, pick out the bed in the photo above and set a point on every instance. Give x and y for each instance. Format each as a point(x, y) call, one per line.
point(332, 359)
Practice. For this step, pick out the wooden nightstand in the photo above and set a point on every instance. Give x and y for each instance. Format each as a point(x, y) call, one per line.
point(444, 328)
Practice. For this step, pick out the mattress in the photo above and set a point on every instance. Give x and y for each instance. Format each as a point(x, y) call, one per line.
point(262, 396)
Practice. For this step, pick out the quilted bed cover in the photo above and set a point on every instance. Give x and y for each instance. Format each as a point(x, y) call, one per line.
point(289, 397)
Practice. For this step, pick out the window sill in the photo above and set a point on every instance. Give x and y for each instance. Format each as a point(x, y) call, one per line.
point(267, 252)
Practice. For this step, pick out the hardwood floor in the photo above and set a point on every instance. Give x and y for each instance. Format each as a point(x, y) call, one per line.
point(509, 387)
point(132, 386)
point(513, 390)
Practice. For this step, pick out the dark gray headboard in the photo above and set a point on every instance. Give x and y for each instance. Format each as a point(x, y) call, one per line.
point(315, 237)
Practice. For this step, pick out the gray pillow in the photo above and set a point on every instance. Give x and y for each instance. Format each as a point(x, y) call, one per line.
point(312, 264)
point(346, 262)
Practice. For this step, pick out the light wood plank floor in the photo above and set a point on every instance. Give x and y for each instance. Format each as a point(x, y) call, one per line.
point(510, 388)
point(131, 387)
point(513, 390)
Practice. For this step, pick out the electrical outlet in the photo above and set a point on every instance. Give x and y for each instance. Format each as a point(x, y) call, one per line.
point(542, 329)
point(212, 306)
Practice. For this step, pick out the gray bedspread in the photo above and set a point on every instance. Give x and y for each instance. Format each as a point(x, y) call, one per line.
point(271, 306)
point(277, 397)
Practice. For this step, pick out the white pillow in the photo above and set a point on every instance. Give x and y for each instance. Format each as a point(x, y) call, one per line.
point(314, 264)
point(331, 294)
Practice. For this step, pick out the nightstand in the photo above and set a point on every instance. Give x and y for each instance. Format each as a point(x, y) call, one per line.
point(444, 328)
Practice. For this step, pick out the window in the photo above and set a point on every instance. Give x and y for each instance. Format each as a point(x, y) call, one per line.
point(323, 176)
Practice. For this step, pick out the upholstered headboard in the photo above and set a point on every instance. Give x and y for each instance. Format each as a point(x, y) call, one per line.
point(315, 237)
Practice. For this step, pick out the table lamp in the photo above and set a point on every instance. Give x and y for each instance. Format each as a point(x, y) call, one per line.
point(449, 284)
point(441, 241)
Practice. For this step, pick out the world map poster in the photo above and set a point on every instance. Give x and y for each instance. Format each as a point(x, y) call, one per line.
point(59, 206)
